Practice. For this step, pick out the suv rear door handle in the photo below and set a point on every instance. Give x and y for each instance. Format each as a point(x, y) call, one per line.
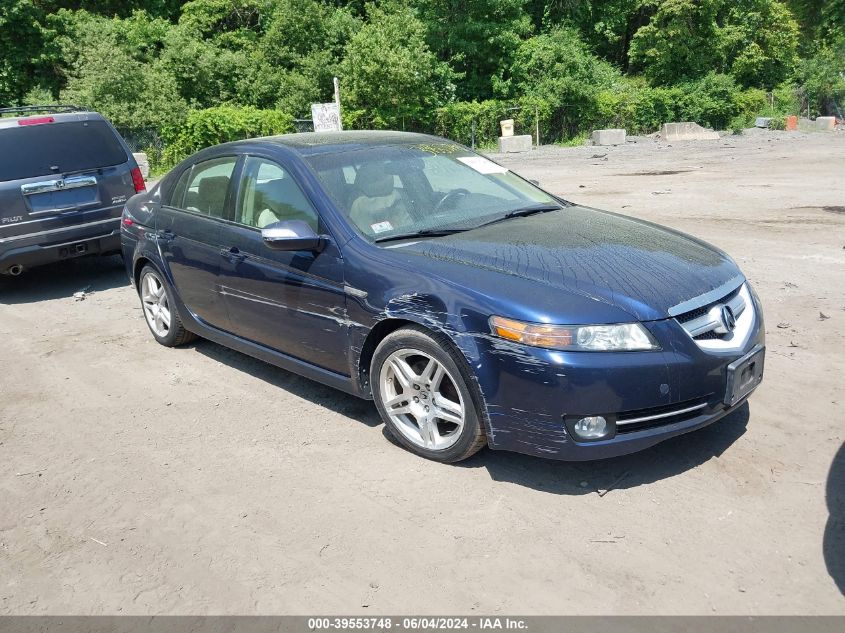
point(165, 235)
point(233, 254)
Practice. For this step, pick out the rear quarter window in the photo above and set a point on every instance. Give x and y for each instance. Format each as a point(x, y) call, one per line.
point(28, 151)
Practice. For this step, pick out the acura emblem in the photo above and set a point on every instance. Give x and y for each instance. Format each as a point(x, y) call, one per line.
point(728, 318)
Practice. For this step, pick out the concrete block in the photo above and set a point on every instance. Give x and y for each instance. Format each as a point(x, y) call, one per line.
point(143, 163)
point(687, 131)
point(826, 122)
point(762, 121)
point(609, 137)
point(507, 127)
point(515, 143)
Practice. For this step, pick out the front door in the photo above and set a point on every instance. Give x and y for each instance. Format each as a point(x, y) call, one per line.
point(188, 231)
point(291, 301)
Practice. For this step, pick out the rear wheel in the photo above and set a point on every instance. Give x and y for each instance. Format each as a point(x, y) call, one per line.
point(425, 396)
point(160, 310)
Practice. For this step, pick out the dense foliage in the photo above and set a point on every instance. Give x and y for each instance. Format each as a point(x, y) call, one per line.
point(198, 72)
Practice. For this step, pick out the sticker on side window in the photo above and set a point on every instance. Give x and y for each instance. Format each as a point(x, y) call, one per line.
point(482, 165)
point(381, 227)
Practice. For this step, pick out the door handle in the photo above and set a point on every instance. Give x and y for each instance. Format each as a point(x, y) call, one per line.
point(233, 254)
point(165, 235)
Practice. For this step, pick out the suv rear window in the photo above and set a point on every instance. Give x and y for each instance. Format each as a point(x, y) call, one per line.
point(57, 148)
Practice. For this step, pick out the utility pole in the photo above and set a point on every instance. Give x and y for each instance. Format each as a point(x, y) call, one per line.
point(337, 102)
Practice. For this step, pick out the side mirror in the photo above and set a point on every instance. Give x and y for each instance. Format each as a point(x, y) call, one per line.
point(292, 235)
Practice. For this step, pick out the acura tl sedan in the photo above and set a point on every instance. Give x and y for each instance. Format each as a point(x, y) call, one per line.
point(472, 306)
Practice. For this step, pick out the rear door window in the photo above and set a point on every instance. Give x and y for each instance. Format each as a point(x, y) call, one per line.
point(208, 186)
point(27, 151)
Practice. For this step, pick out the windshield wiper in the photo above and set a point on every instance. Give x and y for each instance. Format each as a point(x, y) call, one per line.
point(523, 212)
point(422, 233)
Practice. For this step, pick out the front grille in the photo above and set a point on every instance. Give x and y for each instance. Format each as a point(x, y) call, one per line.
point(707, 336)
point(708, 325)
point(653, 417)
point(686, 317)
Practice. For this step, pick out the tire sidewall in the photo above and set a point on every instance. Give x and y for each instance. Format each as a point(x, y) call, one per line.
point(416, 338)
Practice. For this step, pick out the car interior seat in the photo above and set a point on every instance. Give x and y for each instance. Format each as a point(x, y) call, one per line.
point(378, 200)
point(280, 200)
point(211, 195)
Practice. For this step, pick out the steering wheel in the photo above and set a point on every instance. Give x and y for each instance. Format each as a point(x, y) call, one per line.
point(452, 197)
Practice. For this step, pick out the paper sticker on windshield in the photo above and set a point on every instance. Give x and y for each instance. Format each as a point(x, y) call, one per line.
point(381, 227)
point(482, 165)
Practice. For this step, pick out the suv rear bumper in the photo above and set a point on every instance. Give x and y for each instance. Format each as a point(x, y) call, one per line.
point(45, 247)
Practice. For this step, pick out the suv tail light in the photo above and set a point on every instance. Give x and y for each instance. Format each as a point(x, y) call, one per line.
point(138, 180)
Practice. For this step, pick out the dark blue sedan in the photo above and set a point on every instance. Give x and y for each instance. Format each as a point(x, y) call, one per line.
point(472, 306)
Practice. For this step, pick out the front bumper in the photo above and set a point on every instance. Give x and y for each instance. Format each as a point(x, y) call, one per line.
point(529, 392)
point(46, 247)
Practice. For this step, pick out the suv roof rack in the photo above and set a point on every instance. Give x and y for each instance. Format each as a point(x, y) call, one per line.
point(47, 109)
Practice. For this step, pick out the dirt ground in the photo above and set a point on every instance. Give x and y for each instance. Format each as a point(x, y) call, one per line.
point(144, 480)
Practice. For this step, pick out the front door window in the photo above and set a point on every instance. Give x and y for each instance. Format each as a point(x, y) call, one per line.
point(269, 194)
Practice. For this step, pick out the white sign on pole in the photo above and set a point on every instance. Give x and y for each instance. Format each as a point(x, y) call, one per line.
point(326, 117)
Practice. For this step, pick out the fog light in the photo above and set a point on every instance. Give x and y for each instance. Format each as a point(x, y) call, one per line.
point(591, 428)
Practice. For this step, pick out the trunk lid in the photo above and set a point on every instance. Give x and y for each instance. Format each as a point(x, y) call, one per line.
point(58, 173)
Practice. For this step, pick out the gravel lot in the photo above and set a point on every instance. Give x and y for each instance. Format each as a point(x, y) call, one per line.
point(144, 480)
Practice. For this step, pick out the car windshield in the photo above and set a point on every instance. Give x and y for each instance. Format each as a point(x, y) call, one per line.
point(428, 189)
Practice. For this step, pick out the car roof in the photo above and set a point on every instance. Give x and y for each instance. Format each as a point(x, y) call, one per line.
point(308, 143)
point(58, 117)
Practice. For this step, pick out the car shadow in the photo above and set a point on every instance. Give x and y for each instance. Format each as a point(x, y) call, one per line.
point(359, 410)
point(663, 461)
point(63, 279)
point(834, 533)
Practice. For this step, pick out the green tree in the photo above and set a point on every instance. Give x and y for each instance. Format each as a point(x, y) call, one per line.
point(821, 79)
point(759, 42)
point(21, 41)
point(390, 77)
point(476, 37)
point(558, 70)
point(606, 25)
point(113, 66)
point(754, 40)
point(822, 22)
point(133, 94)
point(294, 62)
point(679, 43)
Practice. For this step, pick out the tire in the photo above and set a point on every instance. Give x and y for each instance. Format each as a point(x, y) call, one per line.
point(160, 311)
point(432, 409)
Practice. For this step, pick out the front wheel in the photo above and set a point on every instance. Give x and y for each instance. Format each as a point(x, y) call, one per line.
point(425, 396)
point(160, 310)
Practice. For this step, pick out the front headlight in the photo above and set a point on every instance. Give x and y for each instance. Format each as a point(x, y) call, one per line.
point(578, 338)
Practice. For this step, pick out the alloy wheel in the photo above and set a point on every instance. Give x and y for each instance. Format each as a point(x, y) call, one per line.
point(156, 305)
point(421, 399)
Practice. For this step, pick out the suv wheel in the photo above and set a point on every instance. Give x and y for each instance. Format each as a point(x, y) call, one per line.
point(425, 396)
point(160, 310)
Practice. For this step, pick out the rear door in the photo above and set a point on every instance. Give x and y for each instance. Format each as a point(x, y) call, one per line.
point(59, 173)
point(188, 234)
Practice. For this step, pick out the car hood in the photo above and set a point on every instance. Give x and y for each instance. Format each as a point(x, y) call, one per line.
point(639, 267)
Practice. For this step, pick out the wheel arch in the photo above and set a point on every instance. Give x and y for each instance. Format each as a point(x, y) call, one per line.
point(389, 325)
point(137, 267)
point(375, 336)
